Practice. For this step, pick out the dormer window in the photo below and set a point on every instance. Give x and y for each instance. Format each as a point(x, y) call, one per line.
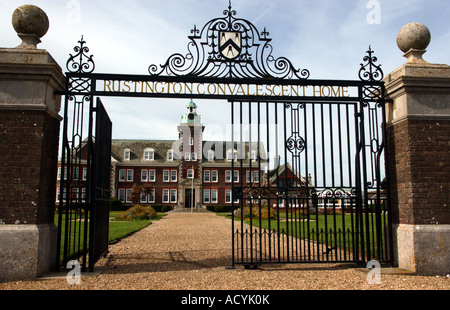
point(231, 154)
point(127, 154)
point(149, 154)
point(170, 155)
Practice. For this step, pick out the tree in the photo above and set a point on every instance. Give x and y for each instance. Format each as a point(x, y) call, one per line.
point(136, 192)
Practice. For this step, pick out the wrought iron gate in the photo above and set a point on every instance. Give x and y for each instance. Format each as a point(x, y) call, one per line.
point(310, 154)
point(85, 169)
point(313, 184)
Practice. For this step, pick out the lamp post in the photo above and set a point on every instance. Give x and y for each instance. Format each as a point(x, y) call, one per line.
point(191, 176)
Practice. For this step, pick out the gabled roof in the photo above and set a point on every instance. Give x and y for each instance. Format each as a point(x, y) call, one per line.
point(280, 171)
point(137, 147)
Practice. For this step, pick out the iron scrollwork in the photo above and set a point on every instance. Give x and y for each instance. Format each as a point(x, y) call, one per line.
point(80, 63)
point(370, 72)
point(229, 47)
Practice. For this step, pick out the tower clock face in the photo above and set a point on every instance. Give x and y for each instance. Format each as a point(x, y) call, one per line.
point(191, 116)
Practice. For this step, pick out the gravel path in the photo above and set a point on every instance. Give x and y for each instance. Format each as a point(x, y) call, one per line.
point(186, 251)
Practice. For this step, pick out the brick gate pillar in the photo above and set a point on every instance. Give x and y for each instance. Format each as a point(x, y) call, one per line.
point(418, 133)
point(29, 138)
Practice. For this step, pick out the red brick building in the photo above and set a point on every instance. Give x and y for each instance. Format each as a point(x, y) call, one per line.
point(180, 173)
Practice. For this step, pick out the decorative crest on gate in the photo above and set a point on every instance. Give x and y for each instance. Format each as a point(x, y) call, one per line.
point(81, 62)
point(229, 47)
point(370, 72)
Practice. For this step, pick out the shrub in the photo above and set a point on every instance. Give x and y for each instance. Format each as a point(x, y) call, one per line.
point(255, 214)
point(162, 208)
point(138, 212)
point(115, 204)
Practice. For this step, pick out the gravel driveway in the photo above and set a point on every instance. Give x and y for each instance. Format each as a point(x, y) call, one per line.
point(186, 251)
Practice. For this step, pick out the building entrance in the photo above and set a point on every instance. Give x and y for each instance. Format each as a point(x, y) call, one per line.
point(189, 198)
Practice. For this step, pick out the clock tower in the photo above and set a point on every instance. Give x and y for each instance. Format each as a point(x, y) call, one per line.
point(190, 134)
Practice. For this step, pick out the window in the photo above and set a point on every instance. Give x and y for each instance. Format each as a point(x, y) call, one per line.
point(84, 174)
point(129, 190)
point(76, 173)
point(151, 196)
point(194, 156)
point(214, 196)
point(256, 176)
point(83, 194)
point(187, 156)
point(75, 194)
point(228, 176)
point(127, 154)
point(214, 176)
point(143, 197)
point(59, 173)
point(207, 176)
point(165, 195)
point(151, 175)
point(122, 173)
point(253, 156)
point(235, 176)
point(190, 173)
point(210, 155)
point(130, 173)
point(149, 154)
point(170, 155)
point(206, 196)
point(166, 176)
point(121, 194)
point(144, 175)
point(58, 192)
point(191, 141)
point(228, 196)
point(173, 176)
point(173, 195)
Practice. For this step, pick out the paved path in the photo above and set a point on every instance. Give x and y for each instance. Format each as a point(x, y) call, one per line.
point(192, 251)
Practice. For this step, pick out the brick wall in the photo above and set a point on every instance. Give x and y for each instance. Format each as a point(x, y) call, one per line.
point(28, 166)
point(419, 171)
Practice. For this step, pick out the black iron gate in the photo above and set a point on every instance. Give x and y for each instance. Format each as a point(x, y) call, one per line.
point(310, 154)
point(313, 184)
point(84, 171)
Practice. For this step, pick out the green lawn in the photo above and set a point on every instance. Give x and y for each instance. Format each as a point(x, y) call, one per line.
point(118, 229)
point(335, 230)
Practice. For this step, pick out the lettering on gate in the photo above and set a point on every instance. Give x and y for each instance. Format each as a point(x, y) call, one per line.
point(224, 89)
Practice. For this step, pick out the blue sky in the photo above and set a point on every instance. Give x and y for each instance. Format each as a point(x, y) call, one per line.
point(327, 37)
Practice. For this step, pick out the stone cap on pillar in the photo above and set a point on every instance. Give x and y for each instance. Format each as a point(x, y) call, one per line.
point(31, 24)
point(418, 88)
point(28, 68)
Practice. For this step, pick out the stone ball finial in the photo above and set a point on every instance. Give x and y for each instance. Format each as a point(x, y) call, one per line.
point(31, 23)
point(413, 39)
